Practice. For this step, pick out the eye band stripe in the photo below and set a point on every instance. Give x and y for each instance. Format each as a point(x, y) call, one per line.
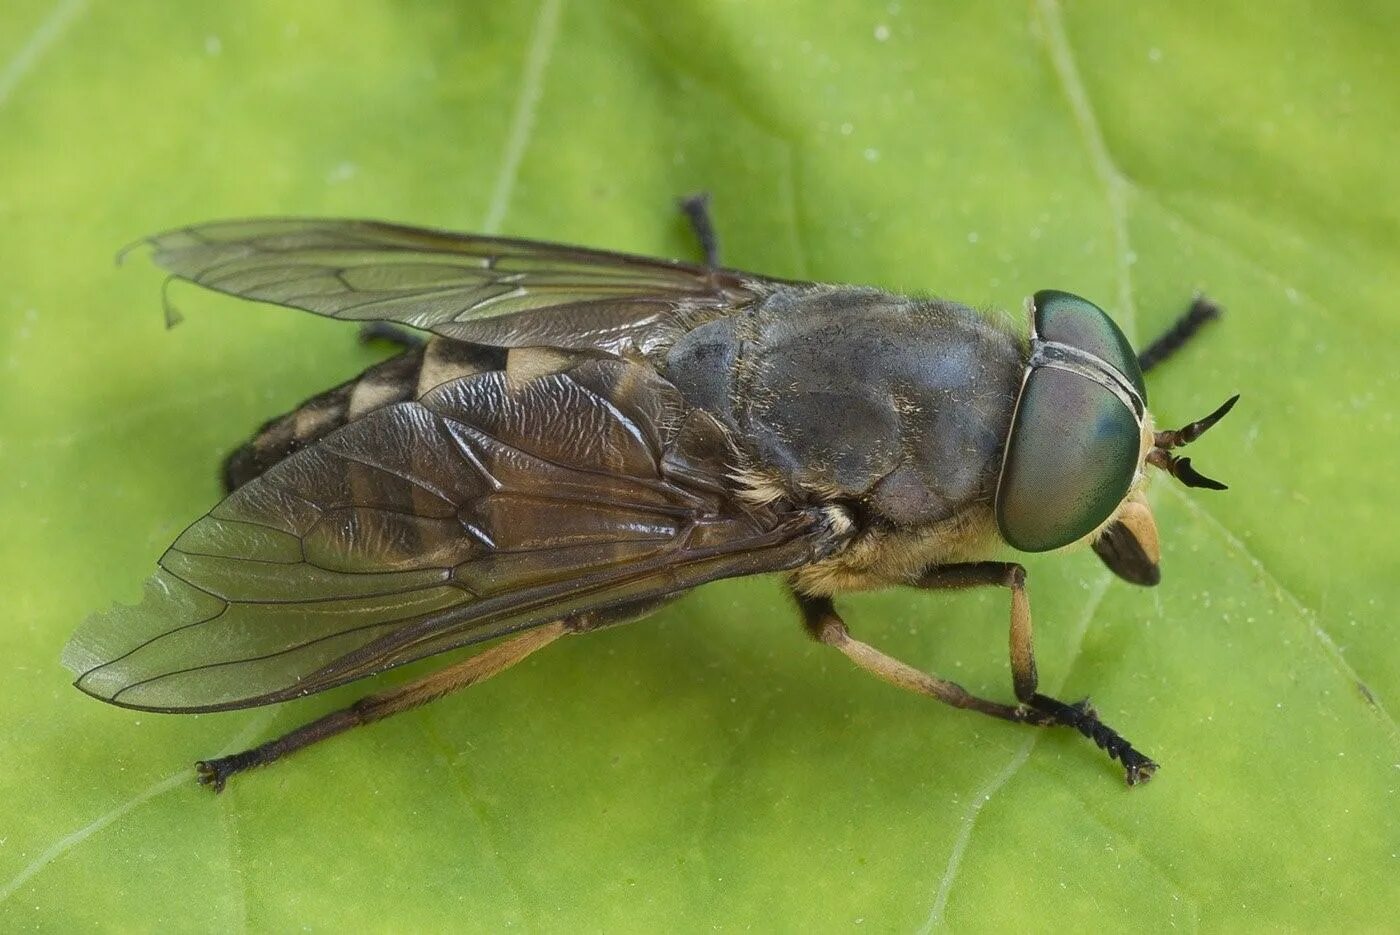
point(1064, 357)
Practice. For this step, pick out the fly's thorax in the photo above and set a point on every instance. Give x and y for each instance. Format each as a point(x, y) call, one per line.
point(853, 394)
point(885, 554)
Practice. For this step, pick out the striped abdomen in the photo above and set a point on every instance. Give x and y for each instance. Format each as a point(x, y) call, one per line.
point(407, 376)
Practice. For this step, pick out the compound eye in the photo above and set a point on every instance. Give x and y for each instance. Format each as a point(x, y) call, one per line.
point(1068, 319)
point(1070, 459)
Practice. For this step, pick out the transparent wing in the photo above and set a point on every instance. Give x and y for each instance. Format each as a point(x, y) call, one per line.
point(483, 509)
point(488, 290)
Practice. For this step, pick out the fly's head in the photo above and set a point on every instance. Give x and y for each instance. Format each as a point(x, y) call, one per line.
point(1075, 463)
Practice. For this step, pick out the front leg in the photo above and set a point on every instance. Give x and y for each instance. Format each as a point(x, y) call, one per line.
point(1024, 680)
point(697, 210)
point(825, 625)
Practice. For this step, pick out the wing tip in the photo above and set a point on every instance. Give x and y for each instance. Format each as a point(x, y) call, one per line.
point(111, 694)
point(86, 664)
point(77, 657)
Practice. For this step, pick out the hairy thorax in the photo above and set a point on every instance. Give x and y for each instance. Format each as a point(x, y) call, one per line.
point(883, 556)
point(890, 409)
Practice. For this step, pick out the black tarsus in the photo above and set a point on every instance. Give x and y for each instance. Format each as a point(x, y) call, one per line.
point(1202, 312)
point(216, 772)
point(697, 210)
point(1083, 718)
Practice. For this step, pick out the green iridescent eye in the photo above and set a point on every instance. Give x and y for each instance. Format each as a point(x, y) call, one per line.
point(1068, 319)
point(1074, 443)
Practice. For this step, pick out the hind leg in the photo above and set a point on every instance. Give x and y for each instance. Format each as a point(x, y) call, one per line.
point(376, 707)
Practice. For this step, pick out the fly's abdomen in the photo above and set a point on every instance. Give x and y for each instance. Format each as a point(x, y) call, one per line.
point(407, 376)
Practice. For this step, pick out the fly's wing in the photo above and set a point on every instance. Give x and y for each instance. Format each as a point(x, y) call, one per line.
point(485, 508)
point(486, 290)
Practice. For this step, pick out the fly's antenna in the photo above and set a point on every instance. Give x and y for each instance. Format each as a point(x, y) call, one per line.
point(1179, 467)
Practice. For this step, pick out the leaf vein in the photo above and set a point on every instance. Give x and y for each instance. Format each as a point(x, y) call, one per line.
point(49, 31)
point(998, 782)
point(1116, 184)
point(69, 841)
point(1324, 640)
point(537, 56)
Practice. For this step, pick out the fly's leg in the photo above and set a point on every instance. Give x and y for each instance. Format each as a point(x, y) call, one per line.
point(1024, 680)
point(825, 625)
point(376, 707)
point(697, 210)
point(1201, 313)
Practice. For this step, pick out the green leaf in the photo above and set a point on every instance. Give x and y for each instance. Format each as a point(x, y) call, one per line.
point(711, 768)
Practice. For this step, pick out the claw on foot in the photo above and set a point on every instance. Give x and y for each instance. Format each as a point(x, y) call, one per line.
point(212, 773)
point(1138, 768)
point(216, 772)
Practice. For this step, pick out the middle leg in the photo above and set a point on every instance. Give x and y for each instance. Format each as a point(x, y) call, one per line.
point(826, 626)
point(1024, 679)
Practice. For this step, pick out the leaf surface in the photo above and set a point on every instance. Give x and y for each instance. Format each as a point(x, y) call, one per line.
point(711, 768)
